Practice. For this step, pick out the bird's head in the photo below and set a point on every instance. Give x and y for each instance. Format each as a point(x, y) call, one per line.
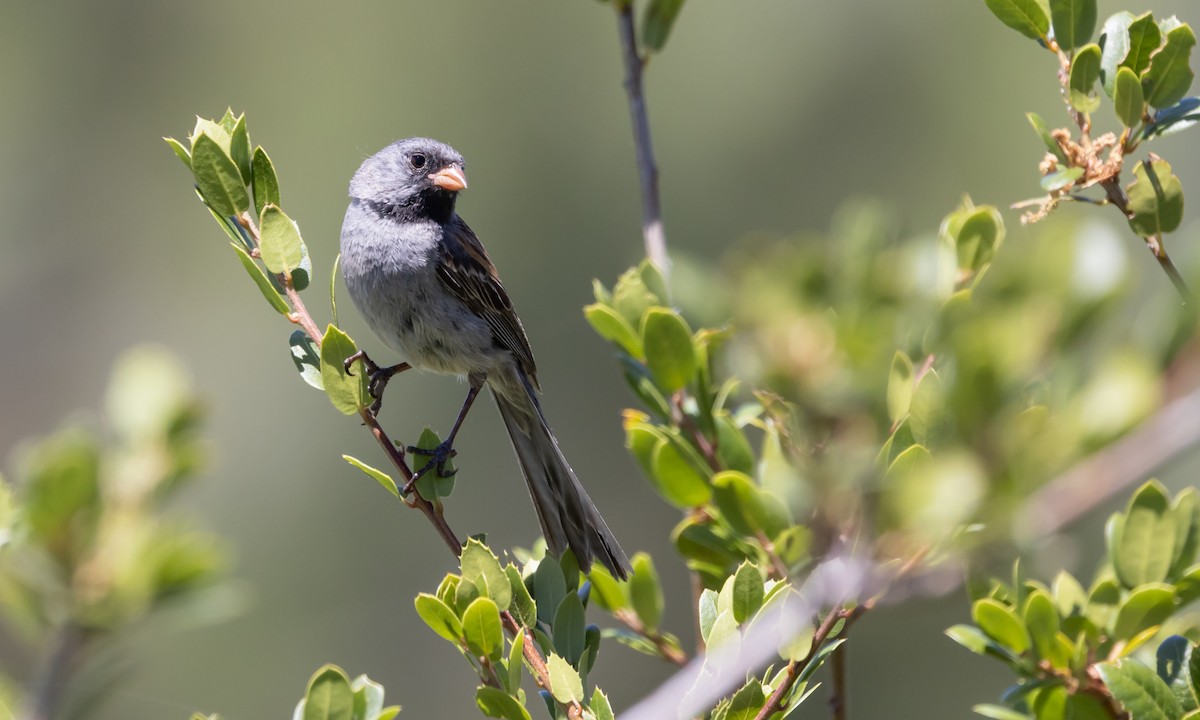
point(416, 177)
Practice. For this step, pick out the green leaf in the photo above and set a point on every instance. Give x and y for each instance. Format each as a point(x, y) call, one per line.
point(1139, 690)
point(522, 605)
point(1041, 620)
point(378, 475)
point(1102, 603)
point(1074, 21)
point(645, 592)
point(549, 589)
point(707, 613)
point(265, 183)
point(978, 238)
point(1001, 624)
point(1170, 74)
point(239, 148)
point(610, 325)
point(1039, 126)
point(746, 702)
point(1114, 39)
point(569, 629)
point(1085, 71)
point(973, 639)
point(329, 696)
point(999, 712)
point(480, 566)
point(1186, 510)
point(1128, 100)
point(307, 358)
point(495, 703)
point(260, 279)
point(591, 648)
point(1146, 607)
point(1025, 16)
point(481, 627)
point(432, 485)
point(281, 247)
point(1069, 596)
point(670, 355)
point(632, 298)
point(900, 387)
point(439, 617)
point(600, 706)
point(1145, 544)
point(746, 507)
point(1156, 202)
point(733, 449)
point(1061, 179)
point(676, 477)
point(180, 151)
point(516, 662)
point(1144, 41)
point(565, 684)
point(217, 178)
point(1181, 116)
point(657, 22)
point(347, 392)
point(606, 590)
point(747, 592)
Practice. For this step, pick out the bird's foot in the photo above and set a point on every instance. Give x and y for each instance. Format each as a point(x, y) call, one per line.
point(377, 377)
point(438, 457)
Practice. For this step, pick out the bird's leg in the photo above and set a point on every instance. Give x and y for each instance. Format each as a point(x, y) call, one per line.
point(439, 455)
point(377, 377)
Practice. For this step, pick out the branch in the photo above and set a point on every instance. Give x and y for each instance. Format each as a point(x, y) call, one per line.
point(666, 650)
point(652, 227)
point(51, 684)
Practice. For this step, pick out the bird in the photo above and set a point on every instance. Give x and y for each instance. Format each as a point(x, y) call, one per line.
point(426, 287)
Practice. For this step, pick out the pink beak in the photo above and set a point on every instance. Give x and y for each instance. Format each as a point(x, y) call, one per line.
point(450, 178)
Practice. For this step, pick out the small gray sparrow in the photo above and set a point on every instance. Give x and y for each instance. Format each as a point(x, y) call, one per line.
point(427, 288)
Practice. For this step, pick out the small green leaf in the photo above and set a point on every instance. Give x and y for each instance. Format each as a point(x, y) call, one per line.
point(565, 684)
point(569, 628)
point(1157, 207)
point(1085, 71)
point(432, 485)
point(670, 355)
point(1039, 126)
point(1027, 17)
point(260, 279)
point(329, 696)
point(747, 702)
point(999, 712)
point(439, 617)
point(180, 151)
point(239, 148)
point(610, 325)
point(1074, 21)
point(378, 475)
point(600, 706)
point(1069, 596)
point(1001, 624)
point(657, 22)
point(900, 386)
point(1146, 607)
point(1061, 179)
point(606, 590)
point(1145, 545)
point(265, 183)
point(707, 613)
point(1179, 117)
point(747, 592)
point(1102, 603)
point(645, 592)
point(478, 562)
point(307, 358)
point(746, 507)
point(495, 703)
point(549, 588)
point(217, 178)
point(481, 627)
point(522, 605)
point(676, 477)
point(1139, 690)
point(733, 449)
point(1144, 41)
point(281, 247)
point(1041, 620)
point(1128, 100)
point(632, 298)
point(516, 662)
point(978, 238)
point(1186, 510)
point(1114, 39)
point(347, 392)
point(1170, 74)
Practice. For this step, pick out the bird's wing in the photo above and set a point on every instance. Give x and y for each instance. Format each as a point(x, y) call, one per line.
point(468, 273)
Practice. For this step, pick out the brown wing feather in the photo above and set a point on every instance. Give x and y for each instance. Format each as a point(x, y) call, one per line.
point(468, 273)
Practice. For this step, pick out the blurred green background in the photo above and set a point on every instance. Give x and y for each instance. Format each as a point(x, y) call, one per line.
point(766, 115)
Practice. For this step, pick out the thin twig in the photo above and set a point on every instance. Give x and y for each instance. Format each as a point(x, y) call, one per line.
point(666, 649)
point(775, 702)
point(50, 686)
point(652, 227)
point(837, 684)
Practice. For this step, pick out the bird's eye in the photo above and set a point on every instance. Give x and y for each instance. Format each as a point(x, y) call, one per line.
point(417, 160)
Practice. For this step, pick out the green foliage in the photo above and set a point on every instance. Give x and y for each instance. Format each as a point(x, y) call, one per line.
point(1056, 641)
point(332, 695)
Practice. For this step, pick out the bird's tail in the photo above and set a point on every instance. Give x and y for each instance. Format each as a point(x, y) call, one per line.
point(567, 514)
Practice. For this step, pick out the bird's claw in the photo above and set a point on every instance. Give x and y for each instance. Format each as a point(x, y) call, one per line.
point(438, 457)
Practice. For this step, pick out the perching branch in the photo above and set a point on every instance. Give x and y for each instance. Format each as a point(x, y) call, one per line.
point(52, 682)
point(652, 226)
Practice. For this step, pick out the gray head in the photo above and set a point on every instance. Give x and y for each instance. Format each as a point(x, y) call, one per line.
point(415, 178)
